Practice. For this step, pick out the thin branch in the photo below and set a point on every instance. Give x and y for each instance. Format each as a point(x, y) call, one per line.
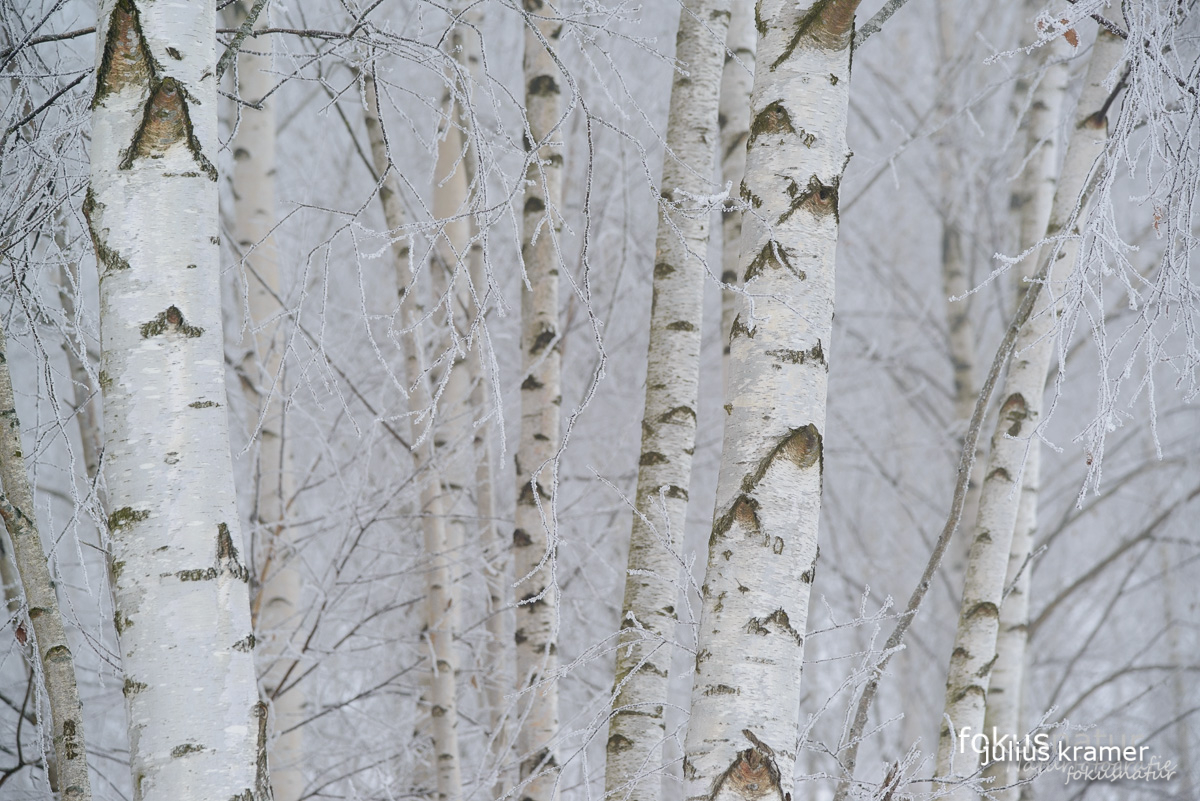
point(41, 108)
point(876, 22)
point(243, 31)
point(50, 37)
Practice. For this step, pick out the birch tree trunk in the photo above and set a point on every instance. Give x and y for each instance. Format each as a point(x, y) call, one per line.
point(275, 608)
point(541, 399)
point(49, 638)
point(636, 727)
point(180, 585)
point(1033, 200)
point(743, 734)
point(441, 613)
point(955, 281)
point(974, 652)
point(493, 550)
point(737, 77)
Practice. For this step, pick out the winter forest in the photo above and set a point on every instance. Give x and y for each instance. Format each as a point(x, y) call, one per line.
point(450, 400)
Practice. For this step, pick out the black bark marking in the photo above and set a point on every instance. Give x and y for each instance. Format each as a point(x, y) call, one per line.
point(545, 336)
point(246, 644)
point(722, 689)
point(652, 457)
point(681, 325)
point(126, 60)
point(773, 120)
point(828, 23)
point(525, 497)
point(125, 516)
point(772, 255)
point(109, 258)
point(680, 414)
point(752, 775)
point(535, 205)
point(170, 320)
point(818, 198)
point(740, 329)
point(748, 196)
point(801, 446)
point(778, 618)
point(1015, 411)
point(813, 354)
point(987, 668)
point(984, 608)
point(618, 743)
point(744, 512)
point(227, 555)
point(542, 85)
point(166, 122)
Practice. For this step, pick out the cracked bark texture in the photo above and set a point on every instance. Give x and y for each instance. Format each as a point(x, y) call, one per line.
point(541, 400)
point(180, 589)
point(1033, 199)
point(276, 606)
point(636, 726)
point(441, 613)
point(737, 76)
point(974, 653)
point(49, 637)
point(763, 549)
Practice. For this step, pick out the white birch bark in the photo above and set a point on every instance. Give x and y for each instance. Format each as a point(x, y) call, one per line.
point(180, 586)
point(276, 606)
point(441, 615)
point(49, 637)
point(737, 76)
point(636, 727)
point(541, 399)
point(493, 550)
point(743, 734)
point(1033, 200)
point(974, 653)
point(956, 282)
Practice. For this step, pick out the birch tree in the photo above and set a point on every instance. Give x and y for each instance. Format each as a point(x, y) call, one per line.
point(974, 652)
point(57, 664)
point(180, 584)
point(743, 736)
point(541, 399)
point(441, 614)
point(636, 727)
point(276, 606)
point(1033, 200)
point(737, 76)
